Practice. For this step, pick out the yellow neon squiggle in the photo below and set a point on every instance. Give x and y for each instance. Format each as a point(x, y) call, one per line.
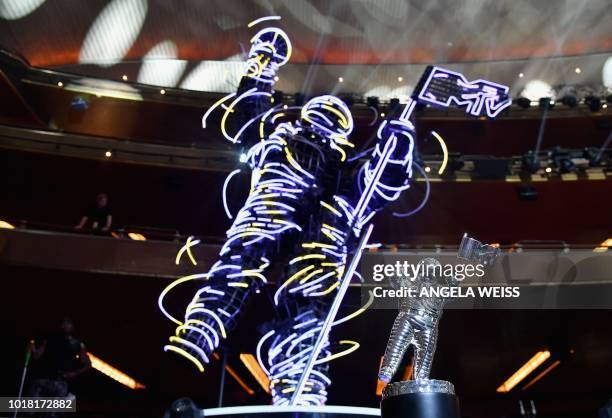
point(444, 151)
point(169, 288)
point(185, 354)
point(187, 247)
point(354, 346)
point(331, 208)
point(237, 284)
point(358, 311)
point(326, 291)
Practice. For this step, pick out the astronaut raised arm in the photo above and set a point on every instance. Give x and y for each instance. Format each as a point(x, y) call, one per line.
point(270, 49)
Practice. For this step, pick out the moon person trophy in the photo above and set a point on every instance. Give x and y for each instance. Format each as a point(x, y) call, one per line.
point(417, 325)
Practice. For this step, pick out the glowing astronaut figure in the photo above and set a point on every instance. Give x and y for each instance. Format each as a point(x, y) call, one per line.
point(300, 212)
point(294, 212)
point(417, 321)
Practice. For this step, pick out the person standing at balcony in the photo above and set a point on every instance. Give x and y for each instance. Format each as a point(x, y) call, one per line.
point(99, 215)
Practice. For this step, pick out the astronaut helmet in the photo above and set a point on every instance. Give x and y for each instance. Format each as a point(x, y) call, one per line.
point(330, 119)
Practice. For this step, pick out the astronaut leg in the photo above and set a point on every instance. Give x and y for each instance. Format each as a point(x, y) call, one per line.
point(402, 335)
point(252, 244)
point(288, 354)
point(426, 348)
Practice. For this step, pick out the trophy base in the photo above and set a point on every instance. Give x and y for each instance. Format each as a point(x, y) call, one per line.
point(420, 399)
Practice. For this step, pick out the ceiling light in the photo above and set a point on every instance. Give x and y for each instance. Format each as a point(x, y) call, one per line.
point(578, 70)
point(108, 154)
point(162, 91)
point(6, 225)
point(521, 75)
point(524, 371)
point(427, 169)
point(243, 158)
point(548, 170)
point(400, 79)
point(124, 77)
point(340, 79)
point(136, 236)
point(60, 84)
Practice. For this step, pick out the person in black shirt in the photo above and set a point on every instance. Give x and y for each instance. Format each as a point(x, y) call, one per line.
point(59, 358)
point(99, 215)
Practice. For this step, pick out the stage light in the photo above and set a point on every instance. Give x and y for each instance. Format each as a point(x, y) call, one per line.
point(113, 373)
point(569, 100)
point(533, 363)
point(276, 78)
point(382, 115)
point(243, 158)
point(427, 169)
point(400, 79)
point(531, 162)
point(250, 362)
point(183, 408)
point(523, 102)
point(108, 154)
point(162, 91)
point(136, 236)
point(593, 102)
point(546, 103)
point(535, 89)
point(340, 80)
point(548, 170)
point(521, 75)
point(124, 77)
point(6, 225)
point(577, 70)
point(372, 101)
point(60, 84)
point(285, 107)
point(604, 106)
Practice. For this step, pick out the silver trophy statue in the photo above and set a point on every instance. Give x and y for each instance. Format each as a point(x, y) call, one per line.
point(417, 325)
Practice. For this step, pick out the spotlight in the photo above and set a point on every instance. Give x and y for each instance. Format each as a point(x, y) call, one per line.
point(243, 158)
point(577, 70)
point(527, 193)
point(394, 106)
point(531, 162)
point(400, 79)
point(162, 91)
point(427, 169)
point(108, 154)
point(124, 77)
point(566, 165)
point(298, 99)
point(593, 155)
point(382, 114)
point(547, 103)
point(340, 80)
point(593, 102)
point(548, 170)
point(183, 408)
point(521, 75)
point(372, 101)
point(275, 78)
point(60, 84)
point(523, 102)
point(569, 100)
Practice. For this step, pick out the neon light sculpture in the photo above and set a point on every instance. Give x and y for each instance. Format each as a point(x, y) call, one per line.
point(298, 213)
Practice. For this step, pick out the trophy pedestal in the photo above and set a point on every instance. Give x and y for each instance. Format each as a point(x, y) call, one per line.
point(419, 399)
